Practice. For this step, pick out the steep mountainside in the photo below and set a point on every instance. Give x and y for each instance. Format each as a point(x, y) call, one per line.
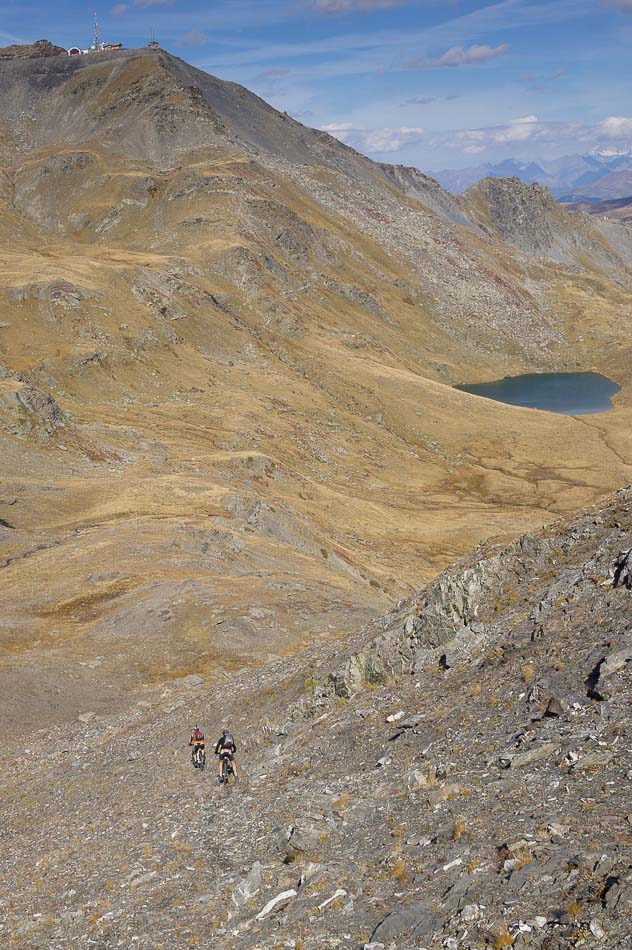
point(151, 105)
point(458, 777)
point(227, 351)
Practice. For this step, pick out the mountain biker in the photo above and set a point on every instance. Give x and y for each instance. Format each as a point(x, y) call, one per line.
point(226, 748)
point(197, 741)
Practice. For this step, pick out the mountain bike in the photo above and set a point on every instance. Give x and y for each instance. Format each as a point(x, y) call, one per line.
point(227, 770)
point(198, 757)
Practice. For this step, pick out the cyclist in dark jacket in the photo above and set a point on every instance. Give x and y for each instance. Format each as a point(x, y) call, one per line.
point(226, 748)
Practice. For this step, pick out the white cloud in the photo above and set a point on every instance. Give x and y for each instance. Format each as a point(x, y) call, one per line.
point(616, 126)
point(459, 56)
point(341, 131)
point(523, 137)
point(350, 6)
point(427, 100)
point(119, 9)
point(152, 3)
point(622, 4)
point(391, 140)
point(528, 135)
point(375, 140)
point(519, 130)
point(470, 135)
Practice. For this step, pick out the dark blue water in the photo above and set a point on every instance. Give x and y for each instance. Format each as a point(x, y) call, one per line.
point(572, 394)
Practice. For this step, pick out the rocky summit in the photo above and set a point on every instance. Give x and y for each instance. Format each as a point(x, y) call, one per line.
point(235, 473)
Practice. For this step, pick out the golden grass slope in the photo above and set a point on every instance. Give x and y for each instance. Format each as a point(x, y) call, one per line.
point(252, 439)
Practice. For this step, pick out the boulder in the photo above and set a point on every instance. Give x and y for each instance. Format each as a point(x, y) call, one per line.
point(248, 886)
point(349, 679)
point(300, 838)
point(276, 903)
point(623, 570)
point(415, 919)
point(516, 760)
point(555, 707)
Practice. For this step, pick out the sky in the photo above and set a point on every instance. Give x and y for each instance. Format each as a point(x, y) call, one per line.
point(432, 83)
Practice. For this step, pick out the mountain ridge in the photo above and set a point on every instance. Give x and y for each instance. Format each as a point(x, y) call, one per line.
point(166, 93)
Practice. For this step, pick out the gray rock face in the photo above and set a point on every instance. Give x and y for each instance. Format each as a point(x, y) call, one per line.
point(27, 411)
point(410, 920)
point(527, 216)
point(600, 679)
point(428, 191)
point(521, 759)
point(38, 50)
point(623, 570)
point(249, 885)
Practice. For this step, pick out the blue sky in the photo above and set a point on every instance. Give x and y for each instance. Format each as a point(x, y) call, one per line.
point(432, 83)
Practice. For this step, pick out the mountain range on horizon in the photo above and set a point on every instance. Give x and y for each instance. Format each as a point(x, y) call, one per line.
point(599, 175)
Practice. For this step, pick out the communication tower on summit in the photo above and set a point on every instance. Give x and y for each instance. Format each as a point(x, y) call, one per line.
point(95, 39)
point(97, 44)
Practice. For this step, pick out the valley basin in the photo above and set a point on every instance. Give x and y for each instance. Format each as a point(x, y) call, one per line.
point(572, 394)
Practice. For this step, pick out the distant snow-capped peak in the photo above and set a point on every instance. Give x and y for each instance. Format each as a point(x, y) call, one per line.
point(609, 151)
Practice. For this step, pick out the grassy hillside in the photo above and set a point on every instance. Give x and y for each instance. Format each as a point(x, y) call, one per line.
point(227, 351)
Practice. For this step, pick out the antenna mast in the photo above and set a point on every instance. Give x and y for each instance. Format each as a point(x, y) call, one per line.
point(95, 44)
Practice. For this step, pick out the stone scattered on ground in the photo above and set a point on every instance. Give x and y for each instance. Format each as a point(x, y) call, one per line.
point(499, 817)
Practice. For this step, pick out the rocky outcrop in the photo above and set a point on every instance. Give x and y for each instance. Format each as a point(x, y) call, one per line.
point(26, 411)
point(38, 50)
point(456, 617)
point(527, 216)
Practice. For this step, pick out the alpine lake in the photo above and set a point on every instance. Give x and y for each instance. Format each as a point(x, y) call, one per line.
point(571, 394)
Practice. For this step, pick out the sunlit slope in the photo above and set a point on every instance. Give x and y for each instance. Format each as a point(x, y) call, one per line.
point(227, 420)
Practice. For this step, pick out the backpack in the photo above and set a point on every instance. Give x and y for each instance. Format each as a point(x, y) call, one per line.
point(228, 741)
